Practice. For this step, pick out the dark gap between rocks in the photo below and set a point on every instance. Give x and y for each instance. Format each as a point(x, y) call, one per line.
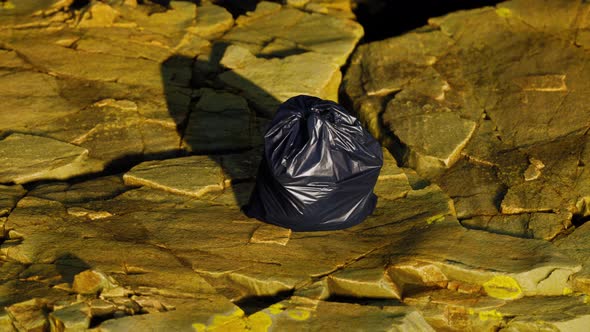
point(384, 19)
point(374, 302)
point(252, 304)
point(579, 220)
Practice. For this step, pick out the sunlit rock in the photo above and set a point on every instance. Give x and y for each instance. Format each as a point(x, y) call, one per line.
point(29, 158)
point(212, 21)
point(330, 36)
point(269, 82)
point(71, 318)
point(194, 176)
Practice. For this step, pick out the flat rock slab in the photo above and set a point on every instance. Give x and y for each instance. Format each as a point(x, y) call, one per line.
point(219, 122)
point(513, 269)
point(27, 158)
point(303, 314)
point(193, 176)
point(275, 31)
point(269, 82)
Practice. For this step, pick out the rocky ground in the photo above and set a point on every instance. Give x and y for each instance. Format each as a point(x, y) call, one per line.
point(130, 137)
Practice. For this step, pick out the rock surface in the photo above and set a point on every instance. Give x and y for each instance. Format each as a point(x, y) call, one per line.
point(27, 158)
point(130, 137)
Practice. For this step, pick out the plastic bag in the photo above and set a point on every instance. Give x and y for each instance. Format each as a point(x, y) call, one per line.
point(318, 170)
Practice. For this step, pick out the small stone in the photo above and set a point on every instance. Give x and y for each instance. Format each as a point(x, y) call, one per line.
point(92, 282)
point(99, 307)
point(99, 15)
point(534, 170)
point(271, 234)
point(92, 215)
point(29, 315)
point(71, 318)
point(435, 140)
point(212, 21)
point(27, 158)
point(115, 292)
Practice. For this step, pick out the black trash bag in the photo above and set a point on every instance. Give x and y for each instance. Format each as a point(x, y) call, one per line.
point(318, 170)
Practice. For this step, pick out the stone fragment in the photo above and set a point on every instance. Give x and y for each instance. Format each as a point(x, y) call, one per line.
point(212, 21)
point(75, 317)
point(219, 122)
point(98, 15)
point(364, 279)
point(534, 170)
point(271, 234)
point(28, 315)
point(171, 22)
point(475, 189)
point(29, 158)
point(92, 215)
point(269, 82)
point(338, 8)
point(9, 196)
point(435, 140)
point(532, 197)
point(332, 37)
point(392, 182)
point(193, 176)
point(92, 282)
point(101, 308)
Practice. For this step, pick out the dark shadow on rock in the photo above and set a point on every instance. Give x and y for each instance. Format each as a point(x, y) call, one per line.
point(223, 121)
point(252, 304)
point(68, 265)
point(385, 19)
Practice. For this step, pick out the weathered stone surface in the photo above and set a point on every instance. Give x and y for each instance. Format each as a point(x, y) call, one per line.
point(392, 182)
point(71, 318)
point(194, 176)
point(28, 315)
point(212, 21)
point(333, 38)
point(271, 234)
point(9, 196)
point(98, 15)
point(91, 282)
point(219, 121)
point(435, 140)
point(304, 314)
point(269, 82)
point(197, 314)
point(29, 158)
point(487, 105)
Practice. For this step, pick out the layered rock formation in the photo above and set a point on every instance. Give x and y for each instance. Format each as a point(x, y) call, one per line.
point(131, 134)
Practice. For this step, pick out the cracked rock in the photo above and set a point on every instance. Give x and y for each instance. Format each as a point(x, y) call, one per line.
point(29, 158)
point(228, 112)
point(193, 176)
point(71, 318)
point(269, 82)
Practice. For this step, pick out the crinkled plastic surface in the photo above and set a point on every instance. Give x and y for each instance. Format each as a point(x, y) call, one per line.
point(318, 170)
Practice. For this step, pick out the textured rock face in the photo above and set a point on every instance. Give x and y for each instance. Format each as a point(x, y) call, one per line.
point(130, 137)
point(494, 113)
